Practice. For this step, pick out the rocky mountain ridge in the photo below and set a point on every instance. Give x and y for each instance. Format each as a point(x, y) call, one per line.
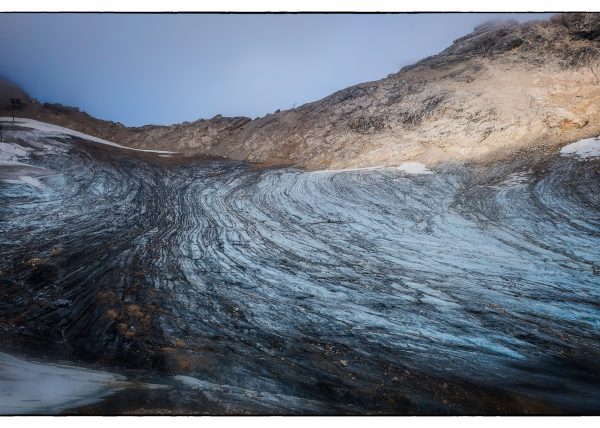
point(500, 89)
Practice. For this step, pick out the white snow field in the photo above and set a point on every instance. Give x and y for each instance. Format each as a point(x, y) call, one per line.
point(586, 148)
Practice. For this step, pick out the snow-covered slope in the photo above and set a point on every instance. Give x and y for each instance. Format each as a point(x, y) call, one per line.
point(50, 130)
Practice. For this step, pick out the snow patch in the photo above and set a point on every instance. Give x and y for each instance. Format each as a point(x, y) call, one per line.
point(28, 387)
point(55, 129)
point(407, 167)
point(586, 148)
point(414, 168)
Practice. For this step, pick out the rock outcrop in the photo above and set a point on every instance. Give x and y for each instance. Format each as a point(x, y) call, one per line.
point(504, 87)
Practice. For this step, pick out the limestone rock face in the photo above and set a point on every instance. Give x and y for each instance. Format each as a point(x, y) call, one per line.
point(586, 25)
point(504, 87)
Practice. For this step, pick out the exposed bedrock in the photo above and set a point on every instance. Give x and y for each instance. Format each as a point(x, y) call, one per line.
point(503, 87)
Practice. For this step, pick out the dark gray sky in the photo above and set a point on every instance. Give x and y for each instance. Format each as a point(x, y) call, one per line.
point(162, 69)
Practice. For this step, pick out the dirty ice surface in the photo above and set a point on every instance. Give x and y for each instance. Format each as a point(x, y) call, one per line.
point(359, 291)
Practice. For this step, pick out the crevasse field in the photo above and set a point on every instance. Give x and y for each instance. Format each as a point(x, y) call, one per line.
point(143, 281)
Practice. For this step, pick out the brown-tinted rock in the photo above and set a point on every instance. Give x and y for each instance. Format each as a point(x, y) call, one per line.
point(493, 92)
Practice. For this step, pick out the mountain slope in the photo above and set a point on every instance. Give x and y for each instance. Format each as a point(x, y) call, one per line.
point(504, 87)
